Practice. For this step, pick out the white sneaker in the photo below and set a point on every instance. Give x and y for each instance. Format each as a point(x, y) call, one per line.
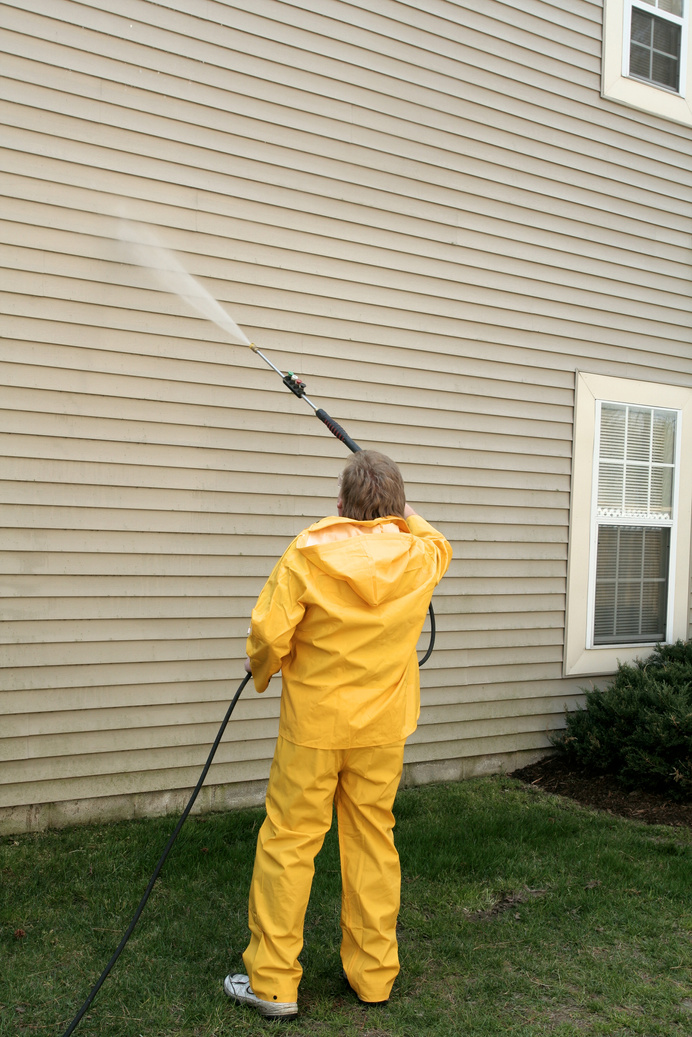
point(238, 987)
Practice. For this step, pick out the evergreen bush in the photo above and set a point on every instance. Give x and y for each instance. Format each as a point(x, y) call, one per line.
point(639, 728)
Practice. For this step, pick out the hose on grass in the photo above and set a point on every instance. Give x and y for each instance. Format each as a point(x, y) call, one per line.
point(162, 859)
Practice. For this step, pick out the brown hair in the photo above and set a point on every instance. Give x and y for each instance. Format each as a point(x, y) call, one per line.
point(371, 487)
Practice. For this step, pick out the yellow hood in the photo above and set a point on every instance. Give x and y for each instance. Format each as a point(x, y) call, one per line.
point(371, 557)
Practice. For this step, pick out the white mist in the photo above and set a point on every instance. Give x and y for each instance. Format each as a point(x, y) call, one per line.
point(143, 248)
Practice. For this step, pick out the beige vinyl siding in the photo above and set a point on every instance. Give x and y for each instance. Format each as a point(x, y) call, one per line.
point(433, 217)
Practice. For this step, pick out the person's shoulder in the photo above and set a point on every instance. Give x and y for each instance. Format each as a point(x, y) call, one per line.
point(417, 523)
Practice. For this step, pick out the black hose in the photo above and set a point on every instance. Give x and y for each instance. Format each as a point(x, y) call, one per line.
point(427, 655)
point(99, 983)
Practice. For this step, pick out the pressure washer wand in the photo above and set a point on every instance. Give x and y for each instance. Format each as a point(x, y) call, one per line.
point(297, 387)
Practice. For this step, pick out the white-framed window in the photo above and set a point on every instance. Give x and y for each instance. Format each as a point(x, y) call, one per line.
point(646, 45)
point(630, 522)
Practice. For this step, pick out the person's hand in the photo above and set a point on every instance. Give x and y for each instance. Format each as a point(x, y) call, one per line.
point(247, 664)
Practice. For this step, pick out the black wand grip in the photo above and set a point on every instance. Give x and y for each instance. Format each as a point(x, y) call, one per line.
point(336, 430)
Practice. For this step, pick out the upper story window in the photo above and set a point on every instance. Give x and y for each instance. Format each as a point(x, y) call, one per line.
point(645, 56)
point(655, 42)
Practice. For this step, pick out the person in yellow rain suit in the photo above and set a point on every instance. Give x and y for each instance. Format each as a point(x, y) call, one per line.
point(340, 616)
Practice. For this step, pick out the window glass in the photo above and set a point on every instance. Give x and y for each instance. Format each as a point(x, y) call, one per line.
point(655, 49)
point(631, 585)
point(636, 463)
point(635, 481)
point(669, 6)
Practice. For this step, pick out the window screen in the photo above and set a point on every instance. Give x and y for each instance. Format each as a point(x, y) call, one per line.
point(636, 478)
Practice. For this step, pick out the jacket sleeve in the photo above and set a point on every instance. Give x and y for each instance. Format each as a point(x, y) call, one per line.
point(438, 543)
point(275, 617)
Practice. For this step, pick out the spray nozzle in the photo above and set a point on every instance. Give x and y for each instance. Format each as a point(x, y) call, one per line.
point(295, 384)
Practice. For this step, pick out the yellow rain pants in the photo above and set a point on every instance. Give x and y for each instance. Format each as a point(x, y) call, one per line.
point(303, 784)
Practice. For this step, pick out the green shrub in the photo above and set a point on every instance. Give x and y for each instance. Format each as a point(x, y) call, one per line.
point(639, 728)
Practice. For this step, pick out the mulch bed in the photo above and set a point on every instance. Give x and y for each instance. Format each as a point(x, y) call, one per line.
point(558, 776)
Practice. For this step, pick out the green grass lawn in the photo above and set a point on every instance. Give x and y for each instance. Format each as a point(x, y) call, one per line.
point(522, 914)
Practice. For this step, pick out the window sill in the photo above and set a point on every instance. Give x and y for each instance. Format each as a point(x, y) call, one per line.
point(648, 98)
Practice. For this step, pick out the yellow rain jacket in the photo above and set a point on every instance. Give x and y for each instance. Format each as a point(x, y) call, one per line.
point(340, 616)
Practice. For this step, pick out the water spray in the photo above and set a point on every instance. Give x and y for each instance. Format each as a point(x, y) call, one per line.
point(145, 250)
point(142, 248)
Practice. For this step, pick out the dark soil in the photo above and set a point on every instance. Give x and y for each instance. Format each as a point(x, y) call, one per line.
point(555, 774)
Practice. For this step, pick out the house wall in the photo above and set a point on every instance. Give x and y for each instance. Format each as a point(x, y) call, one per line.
point(435, 219)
